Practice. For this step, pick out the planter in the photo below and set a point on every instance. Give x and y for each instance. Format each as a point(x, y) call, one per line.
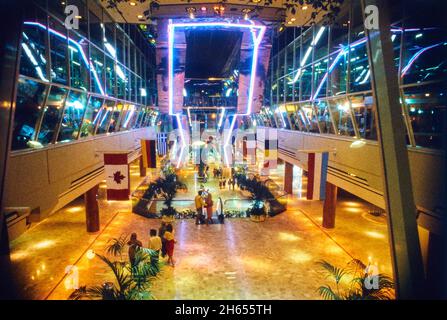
point(260, 218)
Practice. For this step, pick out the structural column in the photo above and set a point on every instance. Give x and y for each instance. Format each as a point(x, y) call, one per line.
point(330, 203)
point(288, 177)
point(142, 167)
point(401, 210)
point(9, 66)
point(92, 209)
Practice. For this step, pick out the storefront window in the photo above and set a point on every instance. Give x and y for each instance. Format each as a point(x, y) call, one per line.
point(52, 114)
point(73, 115)
point(97, 60)
point(29, 102)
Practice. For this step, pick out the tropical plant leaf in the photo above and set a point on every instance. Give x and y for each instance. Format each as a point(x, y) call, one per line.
point(327, 293)
point(117, 246)
point(332, 271)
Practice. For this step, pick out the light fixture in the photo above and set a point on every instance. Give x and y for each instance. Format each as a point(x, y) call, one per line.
point(133, 4)
point(358, 144)
point(140, 16)
point(246, 11)
point(90, 254)
point(203, 9)
point(191, 12)
point(304, 7)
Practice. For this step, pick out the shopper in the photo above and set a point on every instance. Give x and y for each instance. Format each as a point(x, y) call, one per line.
point(170, 243)
point(200, 203)
point(134, 244)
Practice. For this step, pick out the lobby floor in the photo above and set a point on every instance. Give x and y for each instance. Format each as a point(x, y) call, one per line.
point(241, 259)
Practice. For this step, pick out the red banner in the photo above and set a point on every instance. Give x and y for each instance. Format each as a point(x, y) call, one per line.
point(117, 176)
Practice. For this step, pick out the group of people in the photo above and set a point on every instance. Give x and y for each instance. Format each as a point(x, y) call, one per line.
point(163, 243)
point(204, 205)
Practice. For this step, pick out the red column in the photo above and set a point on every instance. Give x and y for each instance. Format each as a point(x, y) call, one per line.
point(288, 177)
point(142, 167)
point(92, 209)
point(330, 204)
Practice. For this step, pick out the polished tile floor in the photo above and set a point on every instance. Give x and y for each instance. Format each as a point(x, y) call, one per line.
point(241, 259)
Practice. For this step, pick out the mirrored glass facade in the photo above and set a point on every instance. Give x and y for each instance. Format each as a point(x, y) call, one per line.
point(74, 84)
point(320, 77)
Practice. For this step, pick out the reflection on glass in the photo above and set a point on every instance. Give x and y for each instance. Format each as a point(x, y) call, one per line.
point(362, 106)
point(324, 117)
point(114, 122)
point(30, 97)
point(341, 114)
point(58, 47)
point(73, 114)
point(309, 117)
point(106, 115)
point(33, 61)
point(78, 69)
point(320, 81)
point(428, 114)
point(52, 114)
point(91, 117)
point(306, 83)
point(97, 60)
point(110, 76)
point(338, 76)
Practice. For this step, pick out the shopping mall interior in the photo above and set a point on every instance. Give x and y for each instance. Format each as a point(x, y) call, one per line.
point(223, 150)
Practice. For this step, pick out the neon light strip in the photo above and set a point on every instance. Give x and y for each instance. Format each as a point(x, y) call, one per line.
point(179, 125)
point(221, 118)
point(256, 42)
point(87, 63)
point(415, 57)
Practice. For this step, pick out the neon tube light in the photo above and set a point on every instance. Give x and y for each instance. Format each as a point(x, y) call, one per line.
point(415, 57)
point(221, 118)
point(78, 46)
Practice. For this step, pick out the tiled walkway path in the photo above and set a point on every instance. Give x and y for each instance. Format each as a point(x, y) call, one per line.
point(241, 259)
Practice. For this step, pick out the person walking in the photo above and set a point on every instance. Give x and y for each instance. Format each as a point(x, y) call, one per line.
point(209, 208)
point(200, 203)
point(170, 243)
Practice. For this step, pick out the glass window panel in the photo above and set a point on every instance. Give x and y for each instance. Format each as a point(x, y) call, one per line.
point(120, 45)
point(78, 67)
point(338, 75)
point(321, 42)
point(106, 116)
point(320, 78)
point(110, 76)
point(289, 87)
point(289, 57)
point(83, 15)
point(97, 60)
point(339, 33)
point(324, 116)
point(341, 114)
point(74, 112)
point(129, 114)
point(114, 122)
point(427, 107)
point(281, 64)
point(306, 83)
point(281, 90)
point(52, 114)
point(92, 116)
point(96, 30)
point(33, 61)
point(363, 109)
point(58, 45)
point(425, 56)
point(29, 101)
point(310, 117)
point(121, 81)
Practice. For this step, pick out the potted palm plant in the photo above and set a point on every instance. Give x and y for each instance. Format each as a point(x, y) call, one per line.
point(131, 281)
point(167, 187)
point(357, 275)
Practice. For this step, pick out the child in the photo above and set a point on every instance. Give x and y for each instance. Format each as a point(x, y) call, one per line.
point(170, 242)
point(154, 244)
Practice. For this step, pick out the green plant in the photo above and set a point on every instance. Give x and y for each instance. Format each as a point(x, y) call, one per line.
point(167, 187)
point(132, 281)
point(259, 193)
point(355, 288)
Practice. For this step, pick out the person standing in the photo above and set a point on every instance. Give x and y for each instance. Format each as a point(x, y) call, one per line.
point(209, 208)
point(170, 243)
point(154, 244)
point(134, 244)
point(199, 202)
point(161, 233)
